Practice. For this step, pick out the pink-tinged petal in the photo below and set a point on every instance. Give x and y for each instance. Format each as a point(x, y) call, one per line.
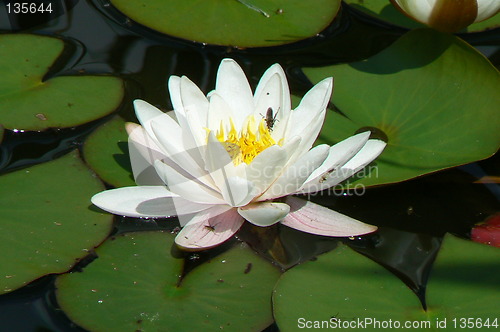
point(264, 214)
point(312, 218)
point(143, 152)
point(209, 228)
point(294, 176)
point(233, 87)
point(145, 202)
point(339, 154)
point(184, 185)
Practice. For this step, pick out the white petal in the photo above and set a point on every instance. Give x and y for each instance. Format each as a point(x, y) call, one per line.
point(145, 201)
point(218, 111)
point(281, 91)
point(174, 88)
point(370, 151)
point(186, 186)
point(209, 228)
point(294, 176)
point(266, 167)
point(264, 214)
point(487, 9)
point(233, 87)
point(312, 218)
point(143, 152)
point(311, 111)
point(187, 159)
point(273, 92)
point(339, 154)
point(147, 113)
point(193, 99)
point(238, 191)
point(421, 10)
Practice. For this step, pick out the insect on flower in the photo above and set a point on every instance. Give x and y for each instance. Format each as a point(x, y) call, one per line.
point(271, 118)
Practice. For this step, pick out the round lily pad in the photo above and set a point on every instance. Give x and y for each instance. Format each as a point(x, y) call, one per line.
point(30, 101)
point(243, 23)
point(345, 288)
point(106, 152)
point(437, 105)
point(47, 224)
point(385, 11)
point(134, 285)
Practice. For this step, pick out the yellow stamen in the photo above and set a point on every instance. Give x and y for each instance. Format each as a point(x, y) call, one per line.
point(246, 145)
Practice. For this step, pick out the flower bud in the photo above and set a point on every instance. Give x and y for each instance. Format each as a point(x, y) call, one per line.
point(448, 15)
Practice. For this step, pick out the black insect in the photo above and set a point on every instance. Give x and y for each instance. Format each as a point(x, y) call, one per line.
point(271, 118)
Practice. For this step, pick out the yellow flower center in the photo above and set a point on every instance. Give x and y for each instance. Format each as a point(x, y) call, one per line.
point(246, 145)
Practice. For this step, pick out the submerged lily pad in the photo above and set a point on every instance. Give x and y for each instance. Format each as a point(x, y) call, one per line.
point(438, 104)
point(134, 285)
point(46, 224)
point(385, 11)
point(243, 23)
point(29, 101)
point(344, 287)
point(106, 152)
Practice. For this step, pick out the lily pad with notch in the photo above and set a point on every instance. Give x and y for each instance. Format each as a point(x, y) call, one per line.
point(437, 105)
point(46, 225)
point(349, 288)
point(29, 100)
point(134, 284)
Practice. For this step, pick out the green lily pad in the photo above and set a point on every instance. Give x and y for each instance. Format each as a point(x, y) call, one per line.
point(491, 23)
point(30, 101)
point(344, 287)
point(106, 152)
point(385, 11)
point(243, 23)
point(46, 224)
point(134, 285)
point(464, 281)
point(433, 95)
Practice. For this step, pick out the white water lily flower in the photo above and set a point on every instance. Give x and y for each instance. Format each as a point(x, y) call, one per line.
point(233, 156)
point(448, 15)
